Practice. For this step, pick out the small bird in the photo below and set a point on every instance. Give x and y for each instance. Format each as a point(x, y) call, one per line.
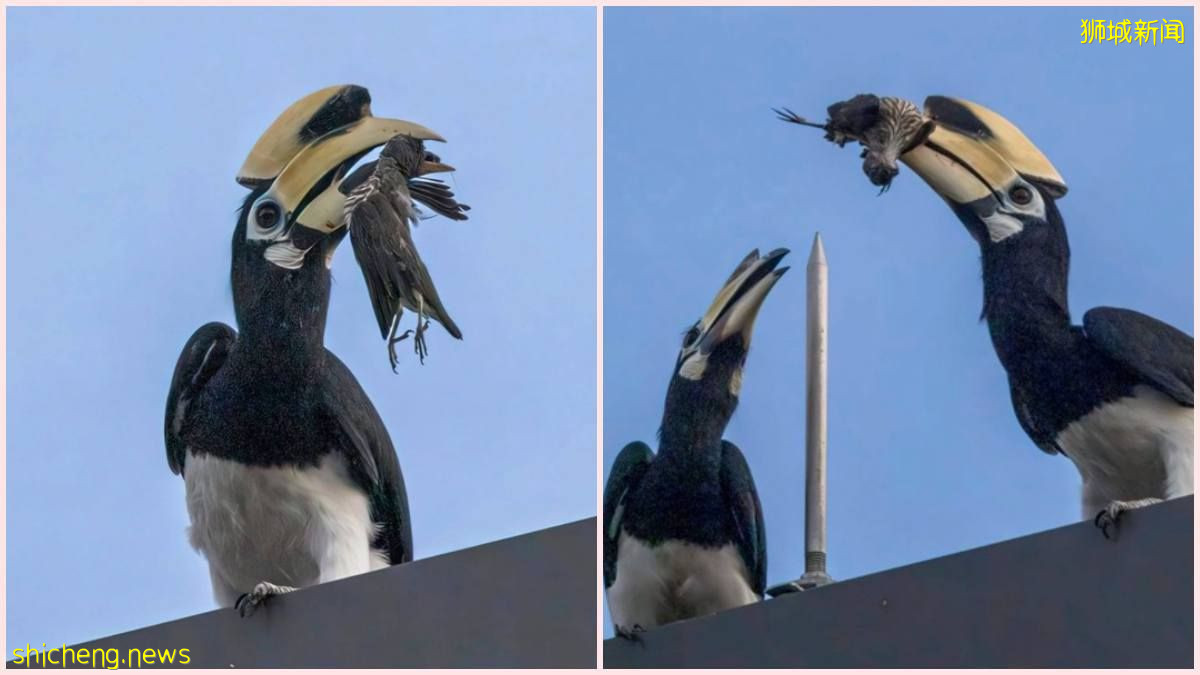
point(290, 475)
point(886, 127)
point(1115, 394)
point(378, 214)
point(683, 529)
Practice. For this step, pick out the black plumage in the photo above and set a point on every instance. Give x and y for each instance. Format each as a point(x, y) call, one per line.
point(1059, 372)
point(1159, 353)
point(698, 487)
point(270, 395)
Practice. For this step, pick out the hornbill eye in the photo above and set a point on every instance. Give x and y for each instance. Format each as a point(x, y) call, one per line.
point(266, 216)
point(1021, 195)
point(692, 335)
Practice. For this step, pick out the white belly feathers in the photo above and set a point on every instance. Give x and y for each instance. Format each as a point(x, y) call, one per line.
point(289, 526)
point(674, 581)
point(1137, 447)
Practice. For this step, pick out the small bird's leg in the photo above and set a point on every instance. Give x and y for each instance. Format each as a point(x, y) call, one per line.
point(788, 116)
point(1110, 514)
point(249, 602)
point(422, 325)
point(392, 338)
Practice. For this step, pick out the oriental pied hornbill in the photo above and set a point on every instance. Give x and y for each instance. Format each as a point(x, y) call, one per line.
point(290, 475)
point(683, 529)
point(1115, 394)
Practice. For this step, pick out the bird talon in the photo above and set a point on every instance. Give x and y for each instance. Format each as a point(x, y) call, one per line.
point(419, 341)
point(1106, 519)
point(248, 603)
point(392, 357)
point(631, 634)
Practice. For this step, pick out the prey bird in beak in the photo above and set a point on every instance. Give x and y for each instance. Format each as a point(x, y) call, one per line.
point(886, 127)
point(304, 202)
point(683, 528)
point(379, 212)
point(1115, 395)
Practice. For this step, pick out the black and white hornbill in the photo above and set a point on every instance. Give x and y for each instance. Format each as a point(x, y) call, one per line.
point(291, 478)
point(1115, 395)
point(683, 528)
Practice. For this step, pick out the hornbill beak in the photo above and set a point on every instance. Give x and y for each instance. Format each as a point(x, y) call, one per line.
point(979, 161)
point(303, 204)
point(736, 306)
point(329, 157)
point(302, 123)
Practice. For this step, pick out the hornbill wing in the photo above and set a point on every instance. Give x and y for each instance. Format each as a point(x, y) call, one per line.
point(367, 447)
point(378, 214)
point(626, 473)
point(1042, 435)
point(737, 486)
point(203, 355)
point(1158, 352)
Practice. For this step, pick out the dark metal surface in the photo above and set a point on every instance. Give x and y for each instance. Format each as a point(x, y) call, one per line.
point(1062, 598)
point(524, 602)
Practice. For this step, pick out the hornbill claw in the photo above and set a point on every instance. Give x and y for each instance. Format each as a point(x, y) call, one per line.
point(1104, 520)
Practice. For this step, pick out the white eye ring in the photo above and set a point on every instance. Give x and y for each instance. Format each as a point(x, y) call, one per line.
point(1032, 203)
point(267, 215)
point(266, 219)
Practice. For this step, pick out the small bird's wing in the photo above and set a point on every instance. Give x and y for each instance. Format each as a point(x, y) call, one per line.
point(437, 196)
point(626, 473)
point(203, 355)
point(737, 486)
point(1159, 353)
point(431, 192)
point(367, 447)
point(378, 215)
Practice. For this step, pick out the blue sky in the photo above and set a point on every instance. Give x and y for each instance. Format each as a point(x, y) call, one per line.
point(125, 129)
point(925, 455)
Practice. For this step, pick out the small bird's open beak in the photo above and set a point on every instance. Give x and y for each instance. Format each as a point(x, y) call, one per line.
point(302, 123)
point(974, 156)
point(428, 167)
point(736, 306)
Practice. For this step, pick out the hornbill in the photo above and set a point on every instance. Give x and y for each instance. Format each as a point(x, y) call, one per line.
point(290, 475)
point(1115, 395)
point(683, 529)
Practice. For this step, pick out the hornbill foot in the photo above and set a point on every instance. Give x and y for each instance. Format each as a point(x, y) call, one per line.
point(392, 341)
point(631, 634)
point(1111, 514)
point(419, 340)
point(249, 602)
